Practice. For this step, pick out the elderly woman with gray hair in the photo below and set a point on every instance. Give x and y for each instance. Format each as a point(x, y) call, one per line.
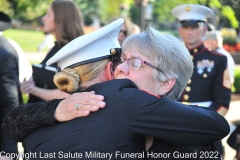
point(157, 65)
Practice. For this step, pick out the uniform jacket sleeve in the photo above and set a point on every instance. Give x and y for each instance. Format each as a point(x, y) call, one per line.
point(221, 91)
point(8, 95)
point(8, 87)
point(26, 118)
point(171, 121)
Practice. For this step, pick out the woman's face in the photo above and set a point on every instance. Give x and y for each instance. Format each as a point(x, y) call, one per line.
point(48, 21)
point(143, 77)
point(122, 34)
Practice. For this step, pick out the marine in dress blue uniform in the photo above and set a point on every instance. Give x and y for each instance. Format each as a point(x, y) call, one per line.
point(210, 85)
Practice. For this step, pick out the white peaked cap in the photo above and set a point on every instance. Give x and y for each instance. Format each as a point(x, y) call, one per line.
point(90, 47)
point(192, 12)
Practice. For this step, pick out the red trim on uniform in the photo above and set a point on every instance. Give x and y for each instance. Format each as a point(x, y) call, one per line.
point(216, 53)
point(151, 94)
point(222, 107)
point(183, 93)
point(199, 51)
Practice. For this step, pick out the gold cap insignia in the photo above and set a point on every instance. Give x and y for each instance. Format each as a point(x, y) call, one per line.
point(113, 51)
point(188, 8)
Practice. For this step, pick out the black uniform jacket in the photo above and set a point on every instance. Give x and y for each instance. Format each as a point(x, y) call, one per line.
point(234, 140)
point(128, 116)
point(210, 80)
point(10, 94)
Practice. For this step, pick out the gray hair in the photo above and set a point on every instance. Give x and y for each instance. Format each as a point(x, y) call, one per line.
point(169, 54)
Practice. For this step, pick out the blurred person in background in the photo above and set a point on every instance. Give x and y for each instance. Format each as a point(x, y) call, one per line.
point(210, 84)
point(126, 30)
point(213, 41)
point(24, 66)
point(48, 42)
point(10, 94)
point(136, 29)
point(65, 22)
point(210, 26)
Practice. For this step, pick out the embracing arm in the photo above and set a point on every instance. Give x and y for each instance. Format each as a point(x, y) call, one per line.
point(171, 121)
point(26, 118)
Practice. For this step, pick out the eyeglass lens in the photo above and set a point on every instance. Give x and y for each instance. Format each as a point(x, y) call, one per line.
point(133, 63)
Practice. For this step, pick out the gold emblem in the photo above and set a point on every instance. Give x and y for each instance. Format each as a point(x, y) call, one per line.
point(188, 89)
point(189, 81)
point(204, 75)
point(188, 8)
point(186, 97)
point(113, 51)
point(195, 50)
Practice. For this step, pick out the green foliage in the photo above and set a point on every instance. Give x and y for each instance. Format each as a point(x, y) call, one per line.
point(103, 9)
point(162, 9)
point(28, 10)
point(236, 83)
point(228, 12)
point(31, 10)
point(5, 6)
point(230, 41)
point(25, 98)
point(27, 39)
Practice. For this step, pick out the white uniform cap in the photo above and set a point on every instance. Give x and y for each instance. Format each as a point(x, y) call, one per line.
point(192, 12)
point(90, 47)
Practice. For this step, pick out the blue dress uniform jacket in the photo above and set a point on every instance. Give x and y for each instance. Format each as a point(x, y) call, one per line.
point(210, 81)
point(129, 115)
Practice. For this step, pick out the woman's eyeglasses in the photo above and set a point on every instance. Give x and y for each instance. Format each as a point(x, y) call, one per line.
point(124, 32)
point(135, 63)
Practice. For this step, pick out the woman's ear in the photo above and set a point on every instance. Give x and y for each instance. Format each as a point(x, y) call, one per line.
point(109, 71)
point(166, 86)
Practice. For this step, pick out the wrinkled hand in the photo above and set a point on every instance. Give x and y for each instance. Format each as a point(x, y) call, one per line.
point(27, 86)
point(87, 102)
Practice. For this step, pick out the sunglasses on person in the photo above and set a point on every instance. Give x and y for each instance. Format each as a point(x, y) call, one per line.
point(123, 32)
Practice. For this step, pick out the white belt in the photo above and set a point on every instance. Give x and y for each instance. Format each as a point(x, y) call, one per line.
point(201, 104)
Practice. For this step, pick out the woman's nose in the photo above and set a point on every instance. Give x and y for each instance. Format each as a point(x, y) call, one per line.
point(121, 69)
